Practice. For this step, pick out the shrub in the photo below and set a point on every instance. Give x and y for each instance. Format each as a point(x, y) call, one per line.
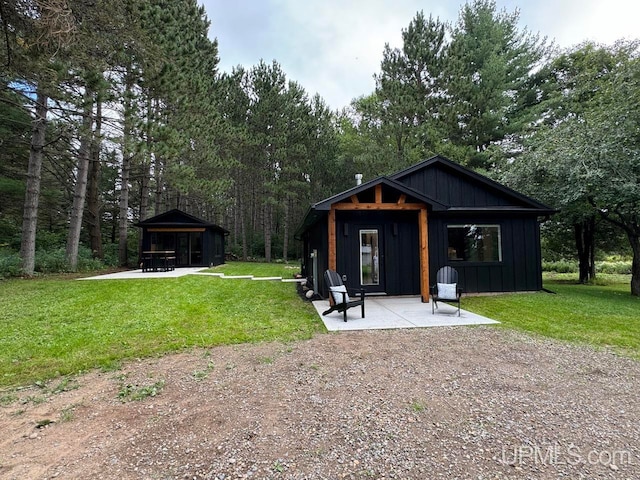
point(55, 261)
point(617, 267)
point(46, 240)
point(86, 262)
point(110, 252)
point(51, 261)
point(560, 266)
point(10, 264)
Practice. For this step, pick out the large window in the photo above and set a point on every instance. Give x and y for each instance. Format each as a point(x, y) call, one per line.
point(474, 243)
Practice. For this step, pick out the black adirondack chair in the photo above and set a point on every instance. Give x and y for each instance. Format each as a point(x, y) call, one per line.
point(339, 299)
point(446, 288)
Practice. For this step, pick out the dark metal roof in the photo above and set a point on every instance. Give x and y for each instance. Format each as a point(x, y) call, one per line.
point(177, 218)
point(503, 209)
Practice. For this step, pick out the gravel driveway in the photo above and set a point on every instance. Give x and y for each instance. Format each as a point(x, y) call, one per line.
point(460, 402)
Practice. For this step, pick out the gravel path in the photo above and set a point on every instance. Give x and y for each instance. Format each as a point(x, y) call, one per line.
point(463, 403)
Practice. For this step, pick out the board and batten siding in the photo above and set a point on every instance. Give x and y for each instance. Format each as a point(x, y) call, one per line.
point(519, 269)
point(449, 188)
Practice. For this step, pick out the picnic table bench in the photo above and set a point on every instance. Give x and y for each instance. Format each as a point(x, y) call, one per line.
point(158, 260)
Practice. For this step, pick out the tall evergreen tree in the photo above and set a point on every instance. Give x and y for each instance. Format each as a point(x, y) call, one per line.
point(34, 36)
point(409, 90)
point(489, 90)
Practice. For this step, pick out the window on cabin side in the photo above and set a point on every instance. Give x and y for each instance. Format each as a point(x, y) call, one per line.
point(474, 243)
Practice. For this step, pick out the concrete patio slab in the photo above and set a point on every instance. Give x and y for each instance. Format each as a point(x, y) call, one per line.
point(397, 312)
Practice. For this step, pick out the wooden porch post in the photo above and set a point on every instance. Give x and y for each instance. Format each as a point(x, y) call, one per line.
point(423, 229)
point(332, 239)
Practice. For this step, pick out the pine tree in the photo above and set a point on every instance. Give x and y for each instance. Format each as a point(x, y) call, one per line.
point(409, 90)
point(489, 63)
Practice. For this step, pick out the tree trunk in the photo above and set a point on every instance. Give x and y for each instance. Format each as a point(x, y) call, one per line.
point(234, 236)
point(157, 171)
point(243, 232)
point(634, 240)
point(127, 154)
point(80, 189)
point(32, 195)
point(267, 232)
point(585, 245)
point(285, 240)
point(242, 219)
point(145, 182)
point(145, 191)
point(93, 187)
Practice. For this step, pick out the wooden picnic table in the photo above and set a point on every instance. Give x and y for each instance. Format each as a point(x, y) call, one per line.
point(158, 260)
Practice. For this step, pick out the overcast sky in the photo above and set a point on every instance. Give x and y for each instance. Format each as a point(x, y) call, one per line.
point(333, 47)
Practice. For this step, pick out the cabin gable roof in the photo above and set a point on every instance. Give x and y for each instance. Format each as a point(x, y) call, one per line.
point(365, 193)
point(177, 218)
point(444, 186)
point(388, 184)
point(463, 189)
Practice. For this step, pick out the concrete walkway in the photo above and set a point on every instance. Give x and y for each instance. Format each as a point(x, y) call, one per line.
point(138, 274)
point(181, 272)
point(398, 312)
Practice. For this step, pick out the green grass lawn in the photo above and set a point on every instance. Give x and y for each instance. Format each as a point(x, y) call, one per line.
point(51, 327)
point(58, 326)
point(284, 270)
point(603, 315)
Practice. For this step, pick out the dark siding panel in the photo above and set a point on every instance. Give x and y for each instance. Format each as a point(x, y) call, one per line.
point(496, 281)
point(508, 255)
point(519, 255)
point(520, 266)
point(469, 279)
point(207, 248)
point(213, 248)
point(402, 256)
point(468, 197)
point(538, 250)
point(532, 238)
point(347, 246)
point(484, 277)
point(437, 246)
point(447, 187)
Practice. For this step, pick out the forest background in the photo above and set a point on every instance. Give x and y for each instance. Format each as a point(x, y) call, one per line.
point(112, 111)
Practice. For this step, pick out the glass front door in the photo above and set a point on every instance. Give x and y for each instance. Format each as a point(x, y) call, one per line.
point(182, 251)
point(196, 248)
point(369, 258)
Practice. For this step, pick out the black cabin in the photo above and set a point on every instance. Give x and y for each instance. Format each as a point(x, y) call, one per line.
point(196, 243)
point(391, 234)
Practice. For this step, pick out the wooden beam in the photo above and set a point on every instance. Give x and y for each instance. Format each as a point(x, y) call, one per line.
point(423, 229)
point(402, 199)
point(379, 194)
point(176, 229)
point(332, 239)
point(378, 206)
point(354, 199)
